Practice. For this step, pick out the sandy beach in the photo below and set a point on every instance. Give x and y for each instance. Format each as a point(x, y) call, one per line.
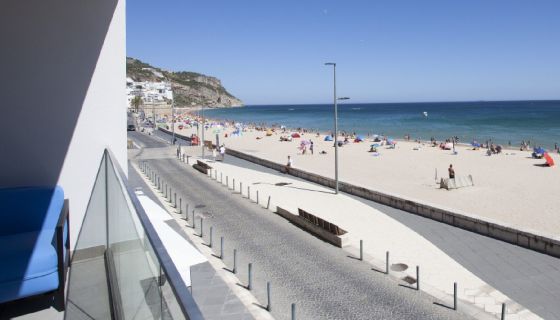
point(510, 188)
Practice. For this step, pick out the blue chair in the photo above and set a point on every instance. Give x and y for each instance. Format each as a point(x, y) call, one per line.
point(34, 243)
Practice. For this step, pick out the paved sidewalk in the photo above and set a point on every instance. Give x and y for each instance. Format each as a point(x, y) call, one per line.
point(379, 233)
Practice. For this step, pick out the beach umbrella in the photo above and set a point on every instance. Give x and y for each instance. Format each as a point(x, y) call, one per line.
point(360, 138)
point(475, 144)
point(328, 138)
point(268, 133)
point(375, 145)
point(549, 160)
point(448, 146)
point(296, 135)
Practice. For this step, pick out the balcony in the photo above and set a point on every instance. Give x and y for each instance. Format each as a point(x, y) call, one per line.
point(126, 263)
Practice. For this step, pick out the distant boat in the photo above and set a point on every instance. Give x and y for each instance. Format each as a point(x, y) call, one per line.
point(291, 109)
point(425, 113)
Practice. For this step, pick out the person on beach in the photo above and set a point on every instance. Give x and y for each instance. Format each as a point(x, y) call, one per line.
point(311, 146)
point(222, 152)
point(290, 162)
point(451, 172)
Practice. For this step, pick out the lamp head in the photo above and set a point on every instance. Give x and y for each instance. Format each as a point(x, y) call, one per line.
point(330, 64)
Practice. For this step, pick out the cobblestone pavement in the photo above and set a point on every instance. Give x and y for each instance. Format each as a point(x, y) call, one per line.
point(321, 279)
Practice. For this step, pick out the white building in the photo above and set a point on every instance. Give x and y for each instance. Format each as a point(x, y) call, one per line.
point(150, 92)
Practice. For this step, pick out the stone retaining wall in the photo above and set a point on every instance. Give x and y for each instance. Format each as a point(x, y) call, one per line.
point(527, 239)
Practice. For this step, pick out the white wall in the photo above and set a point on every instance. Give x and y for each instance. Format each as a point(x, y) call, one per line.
point(62, 87)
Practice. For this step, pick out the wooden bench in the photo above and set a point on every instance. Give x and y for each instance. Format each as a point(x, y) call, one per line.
point(323, 224)
point(456, 183)
point(202, 167)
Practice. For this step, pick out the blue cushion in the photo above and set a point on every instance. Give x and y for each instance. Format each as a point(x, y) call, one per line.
point(29, 208)
point(16, 289)
point(27, 257)
point(27, 240)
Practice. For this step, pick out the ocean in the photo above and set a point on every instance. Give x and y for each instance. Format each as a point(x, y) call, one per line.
point(500, 121)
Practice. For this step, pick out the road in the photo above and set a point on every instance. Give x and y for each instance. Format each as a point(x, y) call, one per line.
point(321, 279)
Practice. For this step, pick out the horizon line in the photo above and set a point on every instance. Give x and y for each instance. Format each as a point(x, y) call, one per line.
point(404, 102)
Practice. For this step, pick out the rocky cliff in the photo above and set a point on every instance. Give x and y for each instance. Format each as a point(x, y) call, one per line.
point(190, 89)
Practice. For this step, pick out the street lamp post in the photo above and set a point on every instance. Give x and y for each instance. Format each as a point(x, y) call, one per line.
point(335, 135)
point(173, 122)
point(202, 134)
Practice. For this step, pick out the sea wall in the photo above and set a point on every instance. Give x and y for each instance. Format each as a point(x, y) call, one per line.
point(493, 229)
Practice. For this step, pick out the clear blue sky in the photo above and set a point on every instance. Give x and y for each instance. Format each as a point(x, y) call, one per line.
point(272, 52)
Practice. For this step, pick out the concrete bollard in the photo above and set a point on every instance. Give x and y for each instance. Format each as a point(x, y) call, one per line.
point(249, 192)
point(165, 191)
point(387, 262)
point(180, 205)
point(503, 317)
point(361, 250)
point(221, 180)
point(227, 182)
point(250, 276)
point(187, 212)
point(269, 305)
point(193, 221)
point(210, 242)
point(417, 277)
point(234, 261)
point(222, 248)
point(455, 296)
point(183, 157)
point(268, 203)
point(257, 196)
point(201, 227)
point(175, 200)
point(233, 184)
point(293, 311)
point(241, 188)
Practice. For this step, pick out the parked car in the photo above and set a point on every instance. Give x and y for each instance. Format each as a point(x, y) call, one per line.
point(130, 127)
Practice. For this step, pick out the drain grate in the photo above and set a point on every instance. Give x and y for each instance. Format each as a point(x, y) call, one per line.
point(409, 280)
point(398, 267)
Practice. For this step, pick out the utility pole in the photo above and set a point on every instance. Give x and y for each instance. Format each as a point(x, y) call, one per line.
point(173, 121)
point(202, 135)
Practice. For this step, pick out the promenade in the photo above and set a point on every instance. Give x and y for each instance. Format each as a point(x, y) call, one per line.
point(496, 271)
point(320, 278)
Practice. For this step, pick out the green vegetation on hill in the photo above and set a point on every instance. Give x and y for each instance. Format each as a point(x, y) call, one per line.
point(189, 88)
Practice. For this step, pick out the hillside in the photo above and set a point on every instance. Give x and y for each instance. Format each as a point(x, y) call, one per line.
point(189, 88)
